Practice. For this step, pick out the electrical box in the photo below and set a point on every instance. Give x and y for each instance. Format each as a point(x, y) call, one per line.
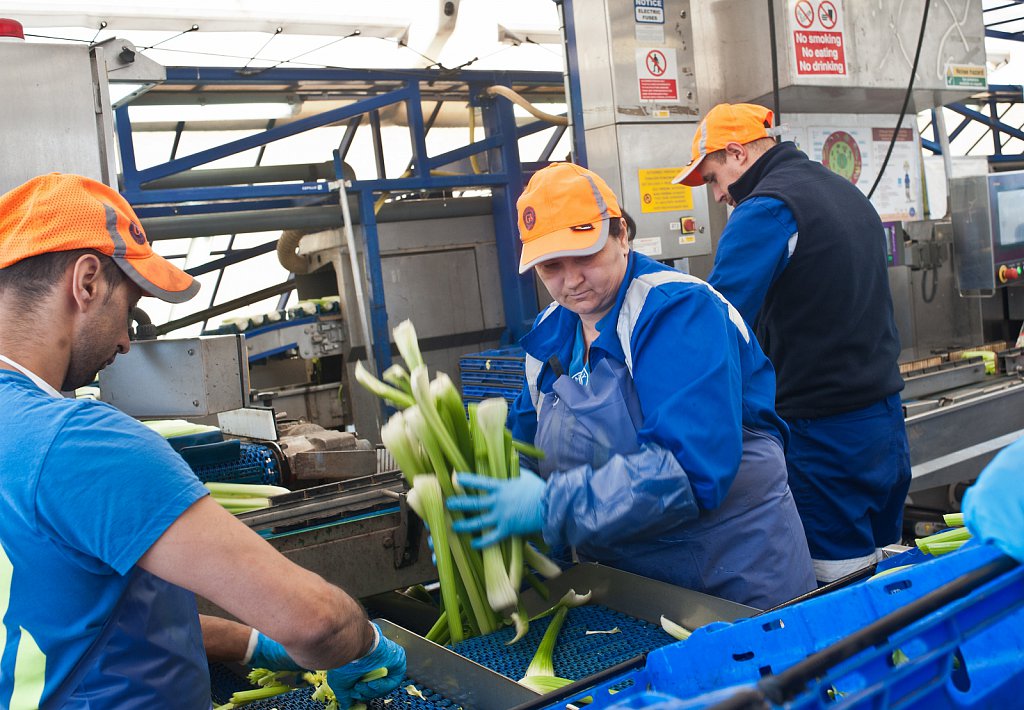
point(640, 107)
point(988, 230)
point(840, 56)
point(185, 377)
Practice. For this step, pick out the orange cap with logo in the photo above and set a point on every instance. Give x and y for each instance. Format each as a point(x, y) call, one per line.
point(564, 211)
point(62, 212)
point(724, 124)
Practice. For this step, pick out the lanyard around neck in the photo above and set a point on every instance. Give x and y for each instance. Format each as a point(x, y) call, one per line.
point(36, 379)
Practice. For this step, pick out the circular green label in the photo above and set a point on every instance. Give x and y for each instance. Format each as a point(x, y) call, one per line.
point(841, 155)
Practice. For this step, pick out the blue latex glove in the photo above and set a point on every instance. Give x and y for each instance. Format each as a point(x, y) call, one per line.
point(271, 655)
point(345, 681)
point(994, 506)
point(509, 507)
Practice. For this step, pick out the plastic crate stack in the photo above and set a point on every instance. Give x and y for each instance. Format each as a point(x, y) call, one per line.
point(492, 373)
point(965, 654)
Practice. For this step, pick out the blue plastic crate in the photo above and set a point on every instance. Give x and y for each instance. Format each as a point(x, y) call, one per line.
point(965, 655)
point(494, 379)
point(485, 391)
point(510, 359)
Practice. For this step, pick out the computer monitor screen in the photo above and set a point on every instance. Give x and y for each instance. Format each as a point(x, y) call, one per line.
point(1010, 206)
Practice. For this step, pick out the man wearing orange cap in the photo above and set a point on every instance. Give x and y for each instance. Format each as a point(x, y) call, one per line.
point(803, 259)
point(105, 533)
point(654, 406)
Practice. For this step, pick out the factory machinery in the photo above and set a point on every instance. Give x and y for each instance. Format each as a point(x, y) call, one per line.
point(279, 389)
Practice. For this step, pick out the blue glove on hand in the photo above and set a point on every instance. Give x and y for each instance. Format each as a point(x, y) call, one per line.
point(345, 681)
point(271, 655)
point(994, 506)
point(510, 507)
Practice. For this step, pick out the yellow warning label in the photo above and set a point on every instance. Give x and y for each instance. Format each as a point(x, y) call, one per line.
point(658, 194)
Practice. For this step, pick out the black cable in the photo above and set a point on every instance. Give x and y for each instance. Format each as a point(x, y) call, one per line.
point(906, 98)
point(103, 26)
point(277, 31)
point(775, 65)
point(193, 28)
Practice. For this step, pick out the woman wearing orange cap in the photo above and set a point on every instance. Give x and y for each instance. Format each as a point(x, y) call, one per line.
point(654, 405)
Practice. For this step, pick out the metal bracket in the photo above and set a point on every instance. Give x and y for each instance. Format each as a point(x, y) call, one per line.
point(405, 537)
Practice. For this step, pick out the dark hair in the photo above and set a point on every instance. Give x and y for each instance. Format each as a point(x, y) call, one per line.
point(615, 226)
point(33, 278)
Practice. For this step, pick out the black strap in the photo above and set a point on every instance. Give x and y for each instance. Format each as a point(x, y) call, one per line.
point(556, 366)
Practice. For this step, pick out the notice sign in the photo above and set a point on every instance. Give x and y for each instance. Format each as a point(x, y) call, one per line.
point(650, 11)
point(818, 40)
point(657, 73)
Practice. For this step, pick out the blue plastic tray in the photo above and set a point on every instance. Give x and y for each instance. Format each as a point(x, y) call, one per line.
point(965, 655)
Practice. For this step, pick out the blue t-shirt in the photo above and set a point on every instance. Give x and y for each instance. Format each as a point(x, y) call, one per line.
point(85, 491)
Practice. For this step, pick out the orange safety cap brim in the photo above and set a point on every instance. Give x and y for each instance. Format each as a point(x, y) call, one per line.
point(63, 212)
point(724, 124)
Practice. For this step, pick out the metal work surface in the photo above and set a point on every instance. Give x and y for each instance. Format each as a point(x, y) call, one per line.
point(953, 442)
point(943, 378)
point(639, 597)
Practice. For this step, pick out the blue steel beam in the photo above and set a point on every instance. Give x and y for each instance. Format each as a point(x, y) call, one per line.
point(572, 80)
point(290, 75)
point(992, 123)
point(519, 295)
point(259, 139)
point(240, 192)
point(378, 307)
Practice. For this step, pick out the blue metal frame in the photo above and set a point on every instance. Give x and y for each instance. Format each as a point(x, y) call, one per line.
point(505, 177)
point(997, 94)
point(573, 84)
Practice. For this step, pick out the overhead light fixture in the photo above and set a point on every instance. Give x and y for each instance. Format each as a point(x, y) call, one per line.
point(209, 112)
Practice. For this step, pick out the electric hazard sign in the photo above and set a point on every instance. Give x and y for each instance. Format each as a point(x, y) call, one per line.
point(819, 43)
point(657, 74)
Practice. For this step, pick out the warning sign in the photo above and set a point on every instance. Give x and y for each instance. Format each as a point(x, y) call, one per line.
point(657, 74)
point(658, 194)
point(649, 11)
point(819, 44)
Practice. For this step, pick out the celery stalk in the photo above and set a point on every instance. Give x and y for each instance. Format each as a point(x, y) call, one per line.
point(408, 345)
point(425, 498)
point(385, 391)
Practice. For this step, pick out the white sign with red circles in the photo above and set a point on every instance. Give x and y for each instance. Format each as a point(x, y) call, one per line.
point(658, 75)
point(819, 42)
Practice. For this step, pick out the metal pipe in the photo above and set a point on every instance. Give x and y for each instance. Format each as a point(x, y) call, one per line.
point(312, 219)
point(357, 279)
point(943, 136)
point(226, 307)
point(249, 175)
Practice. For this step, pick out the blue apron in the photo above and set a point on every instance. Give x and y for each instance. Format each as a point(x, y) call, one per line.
point(148, 655)
point(750, 550)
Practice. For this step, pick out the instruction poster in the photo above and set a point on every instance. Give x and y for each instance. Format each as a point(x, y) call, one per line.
point(856, 153)
point(658, 74)
point(899, 191)
point(819, 42)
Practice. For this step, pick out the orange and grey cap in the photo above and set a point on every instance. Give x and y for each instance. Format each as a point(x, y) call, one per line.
point(564, 211)
point(724, 124)
point(62, 212)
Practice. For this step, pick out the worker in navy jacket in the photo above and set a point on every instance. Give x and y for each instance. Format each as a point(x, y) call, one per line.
point(654, 405)
point(803, 259)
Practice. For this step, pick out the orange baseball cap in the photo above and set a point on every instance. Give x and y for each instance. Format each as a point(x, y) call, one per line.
point(564, 211)
point(61, 212)
point(724, 124)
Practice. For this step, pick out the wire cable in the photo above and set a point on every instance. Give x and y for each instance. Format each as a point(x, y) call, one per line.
point(775, 65)
point(906, 98)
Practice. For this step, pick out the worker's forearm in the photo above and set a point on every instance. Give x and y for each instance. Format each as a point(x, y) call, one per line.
point(224, 640)
point(340, 634)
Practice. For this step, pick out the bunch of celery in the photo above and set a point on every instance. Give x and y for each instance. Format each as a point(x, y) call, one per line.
point(947, 540)
point(430, 439)
point(242, 497)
